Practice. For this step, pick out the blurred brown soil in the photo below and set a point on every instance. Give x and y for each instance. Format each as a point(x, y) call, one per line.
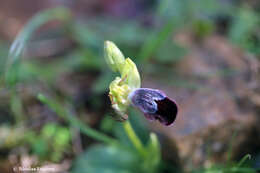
point(225, 104)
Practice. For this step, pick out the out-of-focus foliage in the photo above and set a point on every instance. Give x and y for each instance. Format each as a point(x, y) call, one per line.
point(245, 30)
point(149, 155)
point(107, 158)
point(52, 137)
point(241, 167)
point(22, 39)
point(117, 160)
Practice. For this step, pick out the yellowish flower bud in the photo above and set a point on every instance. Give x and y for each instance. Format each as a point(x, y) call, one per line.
point(113, 56)
point(127, 82)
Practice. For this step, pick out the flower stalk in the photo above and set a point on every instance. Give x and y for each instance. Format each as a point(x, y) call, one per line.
point(133, 137)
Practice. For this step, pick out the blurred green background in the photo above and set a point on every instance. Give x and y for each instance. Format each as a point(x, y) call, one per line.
point(202, 53)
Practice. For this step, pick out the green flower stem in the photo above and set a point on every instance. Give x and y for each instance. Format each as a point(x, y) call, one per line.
point(133, 137)
point(76, 122)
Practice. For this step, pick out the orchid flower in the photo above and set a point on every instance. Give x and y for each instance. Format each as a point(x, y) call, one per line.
point(125, 90)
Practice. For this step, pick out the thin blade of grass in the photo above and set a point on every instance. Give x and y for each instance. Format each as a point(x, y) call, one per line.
point(20, 42)
point(242, 161)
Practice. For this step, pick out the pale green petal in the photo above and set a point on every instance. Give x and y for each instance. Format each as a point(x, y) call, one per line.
point(131, 73)
point(113, 56)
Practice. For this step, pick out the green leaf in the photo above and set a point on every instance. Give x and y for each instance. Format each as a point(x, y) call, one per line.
point(154, 42)
point(107, 159)
point(153, 157)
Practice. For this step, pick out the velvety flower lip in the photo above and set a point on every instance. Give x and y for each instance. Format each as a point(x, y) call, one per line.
point(154, 104)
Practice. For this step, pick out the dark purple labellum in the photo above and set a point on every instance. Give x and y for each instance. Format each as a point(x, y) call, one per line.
point(155, 105)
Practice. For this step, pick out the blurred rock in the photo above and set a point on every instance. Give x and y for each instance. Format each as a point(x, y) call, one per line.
point(225, 103)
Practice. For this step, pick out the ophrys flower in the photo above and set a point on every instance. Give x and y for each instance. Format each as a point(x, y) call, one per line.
point(125, 90)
